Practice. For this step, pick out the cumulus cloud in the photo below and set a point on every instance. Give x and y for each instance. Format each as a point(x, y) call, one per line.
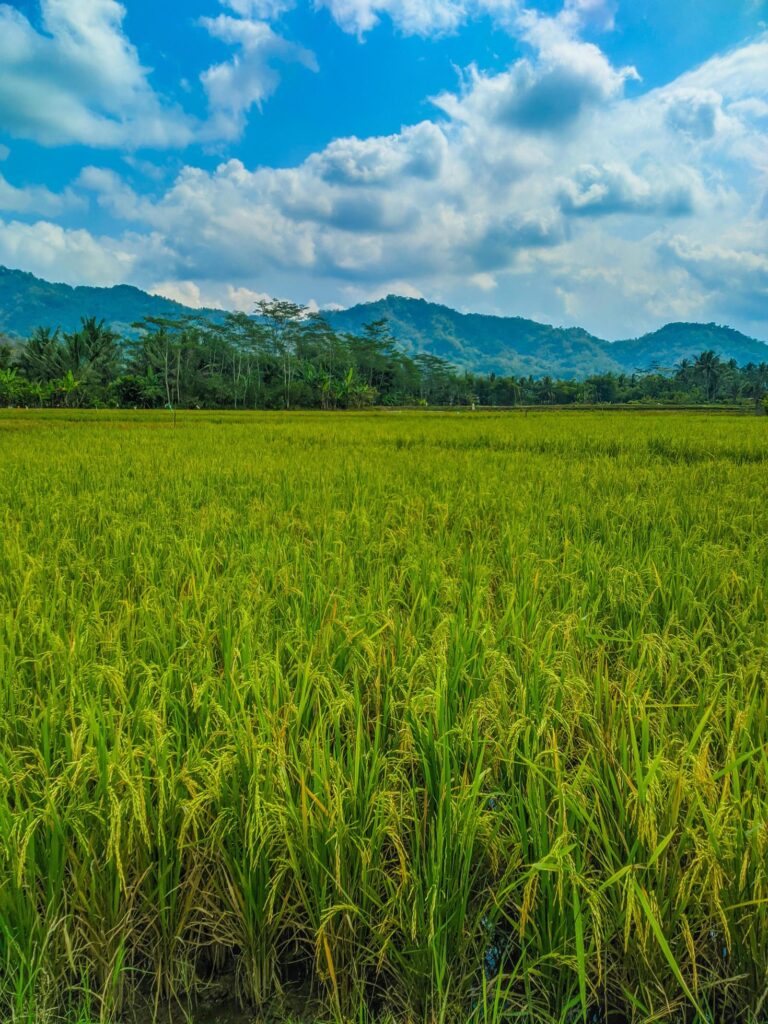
point(616, 188)
point(431, 17)
point(81, 80)
point(695, 112)
point(262, 9)
point(543, 96)
point(416, 152)
point(36, 199)
point(209, 295)
point(567, 78)
point(74, 256)
point(250, 76)
point(481, 202)
point(543, 189)
point(577, 15)
point(736, 277)
point(412, 17)
point(113, 194)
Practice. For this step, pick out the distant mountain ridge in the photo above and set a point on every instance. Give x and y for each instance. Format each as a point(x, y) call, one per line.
point(492, 344)
point(484, 344)
point(471, 341)
point(27, 302)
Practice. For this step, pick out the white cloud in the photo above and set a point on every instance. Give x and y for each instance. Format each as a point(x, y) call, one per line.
point(579, 14)
point(263, 9)
point(113, 194)
point(80, 80)
point(547, 95)
point(416, 152)
point(249, 77)
point(431, 17)
point(413, 17)
point(617, 188)
point(736, 277)
point(36, 200)
point(74, 256)
point(210, 295)
point(542, 190)
point(485, 282)
point(186, 292)
point(695, 112)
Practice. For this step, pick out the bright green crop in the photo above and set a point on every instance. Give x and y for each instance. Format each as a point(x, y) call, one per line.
point(418, 716)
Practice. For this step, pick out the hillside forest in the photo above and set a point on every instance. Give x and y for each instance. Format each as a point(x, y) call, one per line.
point(285, 357)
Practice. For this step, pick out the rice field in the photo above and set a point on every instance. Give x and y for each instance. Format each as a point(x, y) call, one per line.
point(408, 717)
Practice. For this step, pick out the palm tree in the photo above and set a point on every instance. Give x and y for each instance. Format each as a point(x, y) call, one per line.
point(547, 390)
point(40, 359)
point(707, 368)
point(93, 352)
point(757, 384)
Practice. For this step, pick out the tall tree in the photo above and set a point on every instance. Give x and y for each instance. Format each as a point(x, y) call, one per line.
point(708, 367)
point(283, 322)
point(756, 378)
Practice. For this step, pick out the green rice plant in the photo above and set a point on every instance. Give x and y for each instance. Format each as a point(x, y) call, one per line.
point(395, 716)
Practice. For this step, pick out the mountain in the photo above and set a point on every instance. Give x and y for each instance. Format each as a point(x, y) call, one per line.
point(514, 345)
point(667, 346)
point(472, 341)
point(485, 344)
point(27, 302)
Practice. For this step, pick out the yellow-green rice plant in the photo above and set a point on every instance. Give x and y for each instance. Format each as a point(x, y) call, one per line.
point(391, 716)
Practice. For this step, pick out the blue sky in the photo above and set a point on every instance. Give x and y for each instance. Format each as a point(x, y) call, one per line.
point(577, 161)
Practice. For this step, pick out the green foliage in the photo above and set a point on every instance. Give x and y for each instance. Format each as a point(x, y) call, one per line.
point(26, 301)
point(284, 358)
point(444, 718)
point(516, 346)
point(506, 346)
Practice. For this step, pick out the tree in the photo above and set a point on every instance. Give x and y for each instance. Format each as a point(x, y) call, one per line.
point(284, 357)
point(11, 387)
point(40, 358)
point(546, 390)
point(6, 353)
point(283, 322)
point(67, 390)
point(756, 377)
point(249, 356)
point(707, 368)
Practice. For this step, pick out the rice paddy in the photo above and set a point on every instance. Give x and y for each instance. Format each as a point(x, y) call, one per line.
point(410, 717)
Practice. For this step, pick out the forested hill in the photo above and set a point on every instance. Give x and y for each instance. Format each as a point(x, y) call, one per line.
point(472, 341)
point(664, 348)
point(27, 302)
point(484, 344)
point(507, 345)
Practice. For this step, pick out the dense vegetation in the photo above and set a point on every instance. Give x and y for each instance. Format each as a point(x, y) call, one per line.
point(452, 717)
point(474, 342)
point(513, 345)
point(26, 301)
point(285, 358)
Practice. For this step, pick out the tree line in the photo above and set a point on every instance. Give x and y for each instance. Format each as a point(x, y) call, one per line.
point(284, 357)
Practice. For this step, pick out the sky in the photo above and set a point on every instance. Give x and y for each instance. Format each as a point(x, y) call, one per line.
point(601, 163)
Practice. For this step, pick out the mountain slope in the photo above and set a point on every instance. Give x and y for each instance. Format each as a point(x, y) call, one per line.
point(481, 343)
point(667, 346)
point(471, 341)
point(27, 302)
